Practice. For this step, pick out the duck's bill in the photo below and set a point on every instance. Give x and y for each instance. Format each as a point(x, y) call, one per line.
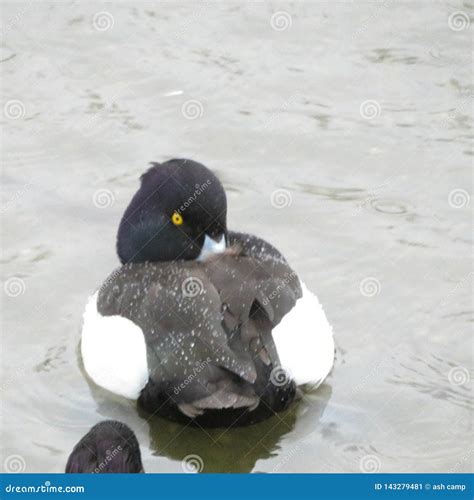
point(212, 246)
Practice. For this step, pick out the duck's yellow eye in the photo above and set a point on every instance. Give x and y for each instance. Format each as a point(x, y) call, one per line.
point(177, 219)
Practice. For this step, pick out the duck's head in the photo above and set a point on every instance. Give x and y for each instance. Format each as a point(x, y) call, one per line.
point(179, 212)
point(109, 447)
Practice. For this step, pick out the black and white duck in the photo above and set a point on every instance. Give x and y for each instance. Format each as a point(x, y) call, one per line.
point(201, 322)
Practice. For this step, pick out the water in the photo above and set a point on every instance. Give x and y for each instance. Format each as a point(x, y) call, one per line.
point(376, 224)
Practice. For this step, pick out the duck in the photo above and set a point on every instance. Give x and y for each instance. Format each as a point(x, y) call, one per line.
point(109, 447)
point(201, 324)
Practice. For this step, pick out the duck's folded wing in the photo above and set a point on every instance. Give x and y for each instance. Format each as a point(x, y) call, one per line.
point(180, 314)
point(207, 327)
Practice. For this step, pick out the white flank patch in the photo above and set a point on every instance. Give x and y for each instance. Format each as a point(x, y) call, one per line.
point(114, 352)
point(304, 341)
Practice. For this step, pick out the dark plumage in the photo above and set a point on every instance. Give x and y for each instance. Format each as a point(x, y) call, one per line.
point(206, 300)
point(146, 232)
point(210, 349)
point(109, 447)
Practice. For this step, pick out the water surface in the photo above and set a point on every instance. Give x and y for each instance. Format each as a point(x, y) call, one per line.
point(354, 118)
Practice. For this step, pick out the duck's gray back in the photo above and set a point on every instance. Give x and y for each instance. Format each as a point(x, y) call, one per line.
point(207, 327)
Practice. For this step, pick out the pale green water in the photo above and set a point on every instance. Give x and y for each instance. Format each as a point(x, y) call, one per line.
point(370, 198)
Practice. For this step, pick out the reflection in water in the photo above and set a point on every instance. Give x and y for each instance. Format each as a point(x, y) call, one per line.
point(236, 449)
point(221, 450)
